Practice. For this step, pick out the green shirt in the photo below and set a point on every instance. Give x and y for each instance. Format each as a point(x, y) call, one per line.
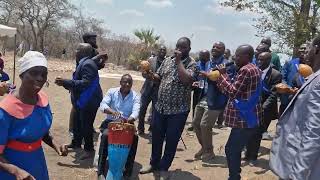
point(275, 60)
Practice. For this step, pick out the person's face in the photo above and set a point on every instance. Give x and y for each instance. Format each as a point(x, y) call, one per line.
point(126, 84)
point(312, 56)
point(217, 50)
point(204, 57)
point(260, 49)
point(302, 52)
point(240, 58)
point(93, 41)
point(263, 61)
point(184, 47)
point(162, 52)
point(34, 78)
point(227, 54)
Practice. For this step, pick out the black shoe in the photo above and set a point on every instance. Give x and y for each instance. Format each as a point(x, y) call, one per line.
point(140, 132)
point(147, 170)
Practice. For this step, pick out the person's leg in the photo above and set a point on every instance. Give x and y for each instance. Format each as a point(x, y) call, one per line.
point(145, 100)
point(220, 120)
point(77, 135)
point(159, 125)
point(103, 153)
point(253, 145)
point(174, 130)
point(238, 139)
point(131, 156)
point(87, 118)
point(207, 122)
point(198, 113)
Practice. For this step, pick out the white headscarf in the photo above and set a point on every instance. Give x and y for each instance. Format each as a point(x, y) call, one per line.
point(31, 59)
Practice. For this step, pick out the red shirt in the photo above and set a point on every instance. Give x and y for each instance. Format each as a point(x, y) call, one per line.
point(244, 85)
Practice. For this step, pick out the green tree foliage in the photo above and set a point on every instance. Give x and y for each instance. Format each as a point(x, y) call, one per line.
point(291, 22)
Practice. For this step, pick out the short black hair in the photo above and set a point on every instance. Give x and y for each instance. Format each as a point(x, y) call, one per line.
point(126, 75)
point(186, 39)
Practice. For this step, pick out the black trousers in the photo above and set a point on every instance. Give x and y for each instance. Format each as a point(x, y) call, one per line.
point(253, 145)
point(145, 101)
point(103, 154)
point(82, 128)
point(220, 118)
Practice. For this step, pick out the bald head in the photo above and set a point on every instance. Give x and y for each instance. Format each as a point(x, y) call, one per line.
point(244, 55)
point(83, 50)
point(267, 41)
point(204, 56)
point(227, 54)
point(217, 49)
point(162, 52)
point(184, 46)
point(261, 48)
point(264, 60)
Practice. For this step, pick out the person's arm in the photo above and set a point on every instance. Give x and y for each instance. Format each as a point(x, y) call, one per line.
point(309, 148)
point(284, 72)
point(184, 75)
point(89, 74)
point(233, 90)
point(135, 109)
point(273, 97)
point(105, 105)
point(61, 150)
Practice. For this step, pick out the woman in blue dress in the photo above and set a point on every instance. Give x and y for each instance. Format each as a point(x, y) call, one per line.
point(25, 120)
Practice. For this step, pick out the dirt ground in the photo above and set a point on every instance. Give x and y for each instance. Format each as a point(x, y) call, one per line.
point(183, 167)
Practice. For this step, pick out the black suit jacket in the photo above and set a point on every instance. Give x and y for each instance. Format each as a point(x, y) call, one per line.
point(85, 73)
point(270, 99)
point(150, 87)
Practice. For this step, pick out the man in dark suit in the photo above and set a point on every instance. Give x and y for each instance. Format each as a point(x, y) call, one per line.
point(86, 95)
point(149, 90)
point(270, 77)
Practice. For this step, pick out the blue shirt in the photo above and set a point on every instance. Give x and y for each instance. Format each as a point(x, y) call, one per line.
point(128, 106)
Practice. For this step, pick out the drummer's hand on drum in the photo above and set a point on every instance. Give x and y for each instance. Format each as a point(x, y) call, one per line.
point(23, 175)
point(116, 115)
point(130, 120)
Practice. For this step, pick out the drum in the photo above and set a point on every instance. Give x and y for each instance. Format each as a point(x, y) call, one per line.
point(120, 138)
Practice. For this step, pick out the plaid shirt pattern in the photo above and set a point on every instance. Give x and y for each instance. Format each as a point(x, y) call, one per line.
point(244, 85)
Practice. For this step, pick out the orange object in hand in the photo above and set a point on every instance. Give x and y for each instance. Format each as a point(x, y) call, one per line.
point(145, 65)
point(305, 70)
point(282, 88)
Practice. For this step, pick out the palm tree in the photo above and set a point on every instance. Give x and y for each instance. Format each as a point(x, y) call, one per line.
point(148, 37)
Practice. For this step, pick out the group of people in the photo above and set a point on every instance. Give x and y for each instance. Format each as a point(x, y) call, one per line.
point(242, 93)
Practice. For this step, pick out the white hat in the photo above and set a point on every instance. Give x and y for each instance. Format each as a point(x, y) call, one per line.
point(31, 59)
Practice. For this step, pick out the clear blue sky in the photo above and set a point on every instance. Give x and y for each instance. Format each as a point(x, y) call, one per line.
point(204, 21)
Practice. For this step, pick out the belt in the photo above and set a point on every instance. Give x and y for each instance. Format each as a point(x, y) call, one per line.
point(22, 146)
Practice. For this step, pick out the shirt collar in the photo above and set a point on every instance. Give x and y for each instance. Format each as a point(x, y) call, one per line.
point(266, 70)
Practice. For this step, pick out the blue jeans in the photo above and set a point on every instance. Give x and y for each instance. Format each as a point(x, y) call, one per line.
point(238, 139)
point(169, 128)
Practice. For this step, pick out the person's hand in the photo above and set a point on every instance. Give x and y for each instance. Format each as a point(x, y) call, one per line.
point(222, 68)
point(21, 174)
point(203, 74)
point(116, 115)
point(4, 88)
point(62, 150)
point(130, 120)
point(195, 84)
point(59, 81)
point(103, 55)
point(178, 56)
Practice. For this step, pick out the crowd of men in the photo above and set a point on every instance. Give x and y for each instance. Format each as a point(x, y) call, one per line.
point(243, 96)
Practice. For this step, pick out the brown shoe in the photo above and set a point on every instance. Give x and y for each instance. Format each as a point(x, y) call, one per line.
point(207, 156)
point(198, 154)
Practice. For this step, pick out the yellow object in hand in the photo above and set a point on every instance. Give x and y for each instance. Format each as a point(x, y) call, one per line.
point(214, 75)
point(305, 70)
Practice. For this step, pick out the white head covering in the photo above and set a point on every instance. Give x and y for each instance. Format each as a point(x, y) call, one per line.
point(30, 60)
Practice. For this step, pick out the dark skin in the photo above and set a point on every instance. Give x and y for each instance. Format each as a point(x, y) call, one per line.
point(125, 88)
point(204, 57)
point(92, 40)
point(302, 52)
point(313, 55)
point(100, 60)
point(162, 52)
point(260, 49)
point(83, 50)
point(264, 60)
point(227, 54)
point(31, 83)
point(243, 56)
point(267, 41)
point(181, 52)
point(217, 50)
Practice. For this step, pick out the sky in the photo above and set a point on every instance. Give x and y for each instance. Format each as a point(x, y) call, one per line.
point(203, 21)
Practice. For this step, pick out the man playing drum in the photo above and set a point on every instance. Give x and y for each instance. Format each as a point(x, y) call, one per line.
point(120, 103)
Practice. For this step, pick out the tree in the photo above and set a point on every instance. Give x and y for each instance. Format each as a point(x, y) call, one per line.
point(39, 16)
point(147, 37)
point(291, 22)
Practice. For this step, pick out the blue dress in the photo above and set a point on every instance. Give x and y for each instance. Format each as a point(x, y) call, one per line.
point(25, 124)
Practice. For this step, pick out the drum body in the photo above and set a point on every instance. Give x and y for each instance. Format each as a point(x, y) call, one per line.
point(120, 138)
